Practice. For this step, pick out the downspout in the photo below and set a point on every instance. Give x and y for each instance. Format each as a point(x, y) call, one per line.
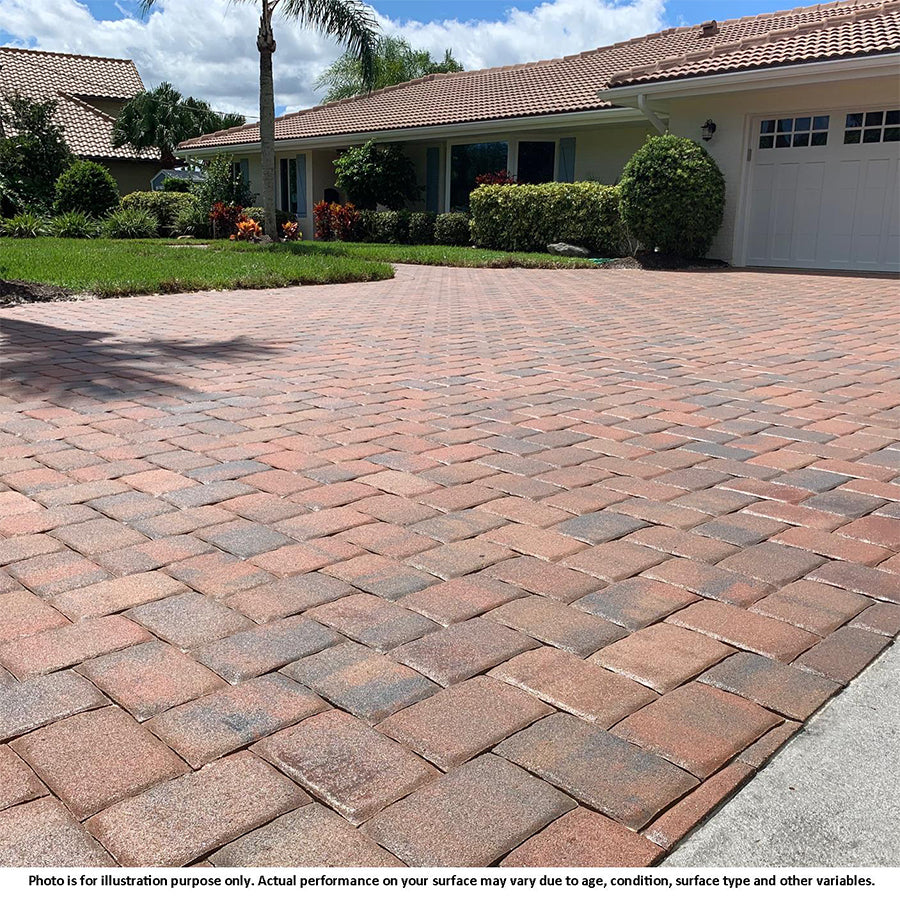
point(654, 119)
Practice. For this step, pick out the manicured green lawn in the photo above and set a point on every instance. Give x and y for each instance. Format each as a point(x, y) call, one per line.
point(122, 267)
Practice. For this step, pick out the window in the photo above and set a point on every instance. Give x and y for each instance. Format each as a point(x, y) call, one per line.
point(872, 127)
point(467, 162)
point(293, 185)
point(536, 160)
point(802, 131)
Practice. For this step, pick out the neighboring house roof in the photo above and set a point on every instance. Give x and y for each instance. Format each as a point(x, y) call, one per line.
point(78, 84)
point(570, 84)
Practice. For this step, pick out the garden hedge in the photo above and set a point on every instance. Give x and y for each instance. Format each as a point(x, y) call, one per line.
point(167, 207)
point(528, 217)
point(673, 196)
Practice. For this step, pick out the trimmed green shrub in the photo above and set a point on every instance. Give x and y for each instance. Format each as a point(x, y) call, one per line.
point(364, 231)
point(421, 228)
point(259, 214)
point(131, 223)
point(24, 225)
point(528, 217)
point(74, 224)
point(165, 206)
point(452, 229)
point(376, 174)
point(391, 227)
point(176, 185)
point(673, 196)
point(86, 187)
point(193, 220)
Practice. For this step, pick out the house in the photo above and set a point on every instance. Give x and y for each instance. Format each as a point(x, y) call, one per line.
point(801, 110)
point(90, 91)
point(186, 175)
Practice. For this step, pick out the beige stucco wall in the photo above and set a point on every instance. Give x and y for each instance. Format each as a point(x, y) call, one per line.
point(131, 176)
point(733, 113)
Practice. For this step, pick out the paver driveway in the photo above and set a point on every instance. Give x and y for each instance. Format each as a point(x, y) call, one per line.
point(464, 568)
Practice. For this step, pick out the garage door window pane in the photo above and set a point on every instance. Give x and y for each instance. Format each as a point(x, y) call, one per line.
point(819, 138)
point(820, 123)
point(892, 134)
point(802, 139)
point(871, 135)
point(785, 124)
point(892, 117)
point(802, 124)
point(852, 137)
point(854, 120)
point(783, 140)
point(874, 118)
point(766, 142)
point(767, 126)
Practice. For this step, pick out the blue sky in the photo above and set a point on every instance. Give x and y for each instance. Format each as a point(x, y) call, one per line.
point(207, 47)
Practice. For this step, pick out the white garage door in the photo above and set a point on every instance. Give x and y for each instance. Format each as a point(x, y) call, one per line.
point(824, 191)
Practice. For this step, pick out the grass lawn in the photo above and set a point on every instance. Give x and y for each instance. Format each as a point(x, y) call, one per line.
point(122, 267)
point(112, 268)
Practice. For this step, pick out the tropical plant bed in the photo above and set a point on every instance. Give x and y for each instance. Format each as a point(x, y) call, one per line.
point(107, 268)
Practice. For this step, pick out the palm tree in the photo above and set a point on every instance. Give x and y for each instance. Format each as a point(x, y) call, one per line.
point(162, 118)
point(349, 21)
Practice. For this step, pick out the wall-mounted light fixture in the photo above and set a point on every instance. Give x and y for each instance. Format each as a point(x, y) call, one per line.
point(708, 129)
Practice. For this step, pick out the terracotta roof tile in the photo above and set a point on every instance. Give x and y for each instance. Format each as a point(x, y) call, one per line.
point(74, 82)
point(570, 84)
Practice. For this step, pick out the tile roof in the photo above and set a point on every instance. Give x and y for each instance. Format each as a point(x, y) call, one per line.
point(862, 31)
point(571, 83)
point(74, 82)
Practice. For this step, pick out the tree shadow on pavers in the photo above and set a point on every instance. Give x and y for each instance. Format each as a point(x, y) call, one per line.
point(41, 359)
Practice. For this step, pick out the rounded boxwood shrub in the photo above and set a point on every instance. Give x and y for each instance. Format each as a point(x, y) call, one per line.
point(131, 223)
point(528, 217)
point(86, 187)
point(165, 206)
point(673, 196)
point(452, 230)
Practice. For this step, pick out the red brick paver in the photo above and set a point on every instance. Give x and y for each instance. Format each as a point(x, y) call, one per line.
point(463, 568)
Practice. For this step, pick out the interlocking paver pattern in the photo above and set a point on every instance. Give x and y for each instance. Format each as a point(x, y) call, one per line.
point(528, 568)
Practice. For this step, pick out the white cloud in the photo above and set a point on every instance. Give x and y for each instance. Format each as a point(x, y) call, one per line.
point(208, 47)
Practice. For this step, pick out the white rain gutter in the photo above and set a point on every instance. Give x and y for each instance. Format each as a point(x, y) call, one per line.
point(654, 119)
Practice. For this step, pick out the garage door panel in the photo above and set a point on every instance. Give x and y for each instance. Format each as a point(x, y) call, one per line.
point(831, 206)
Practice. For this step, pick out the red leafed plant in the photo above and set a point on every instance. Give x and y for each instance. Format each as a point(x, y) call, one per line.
point(322, 221)
point(247, 230)
point(501, 177)
point(344, 220)
point(224, 218)
point(335, 222)
point(291, 231)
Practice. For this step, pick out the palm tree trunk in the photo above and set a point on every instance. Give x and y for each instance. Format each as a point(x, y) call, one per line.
point(265, 43)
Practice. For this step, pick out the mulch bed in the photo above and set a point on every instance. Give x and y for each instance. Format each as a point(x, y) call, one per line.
point(645, 259)
point(16, 293)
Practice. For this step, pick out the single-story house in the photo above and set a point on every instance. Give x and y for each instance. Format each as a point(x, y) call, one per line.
point(801, 110)
point(90, 91)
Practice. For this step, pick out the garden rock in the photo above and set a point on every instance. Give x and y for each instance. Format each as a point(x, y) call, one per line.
point(562, 249)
